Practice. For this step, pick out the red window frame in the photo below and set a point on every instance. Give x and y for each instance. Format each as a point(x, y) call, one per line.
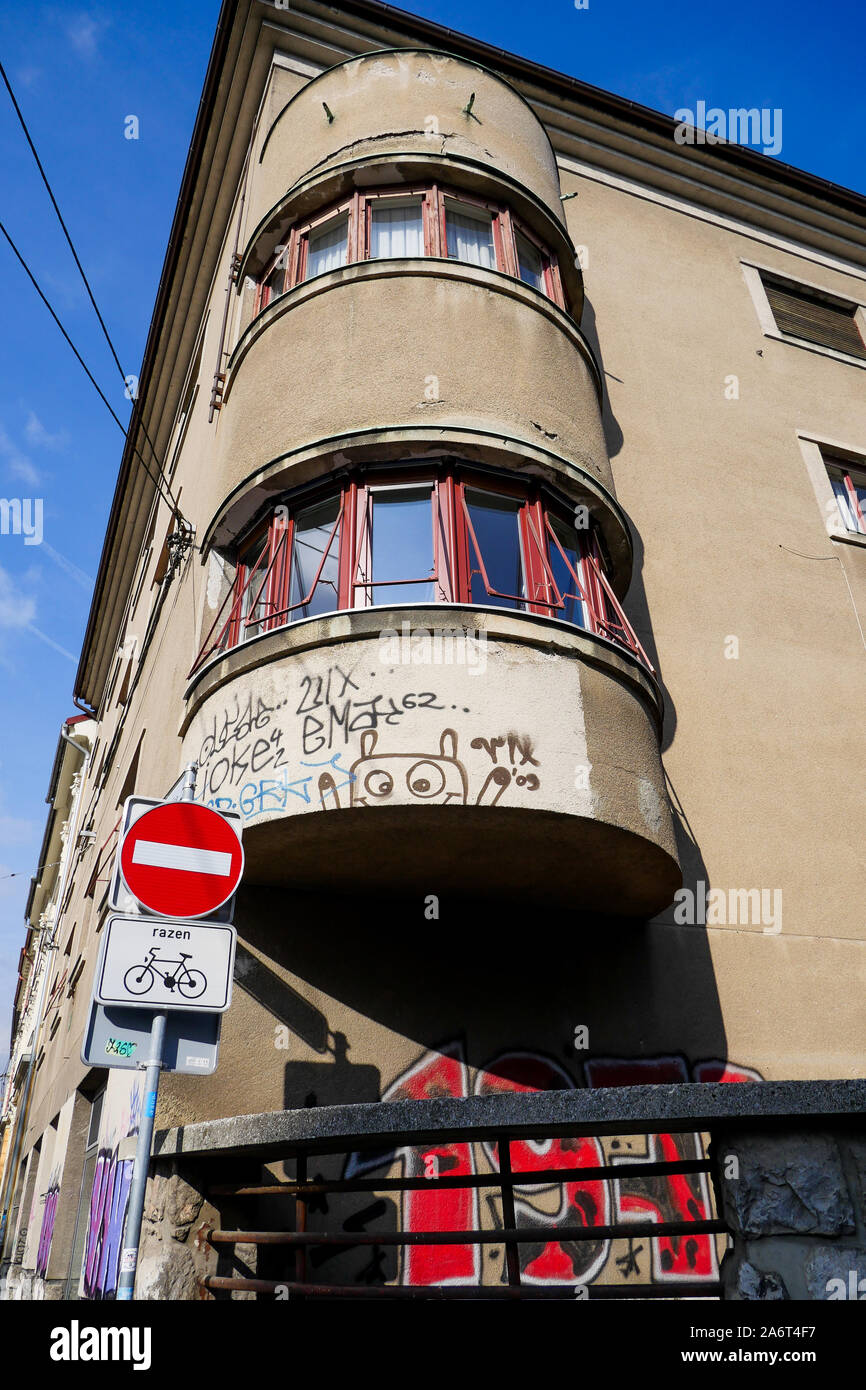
point(846, 474)
point(264, 587)
point(291, 254)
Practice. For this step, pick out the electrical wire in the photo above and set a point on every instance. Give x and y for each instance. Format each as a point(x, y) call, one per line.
point(84, 278)
point(109, 407)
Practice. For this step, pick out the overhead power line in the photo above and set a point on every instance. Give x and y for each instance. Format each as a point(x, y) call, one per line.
point(109, 407)
point(90, 294)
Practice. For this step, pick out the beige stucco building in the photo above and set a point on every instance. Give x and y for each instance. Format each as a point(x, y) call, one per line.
point(507, 574)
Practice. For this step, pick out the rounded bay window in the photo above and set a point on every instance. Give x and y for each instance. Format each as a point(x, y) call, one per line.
point(423, 534)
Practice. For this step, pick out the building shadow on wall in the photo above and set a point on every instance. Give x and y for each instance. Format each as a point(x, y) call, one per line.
point(496, 976)
point(328, 1082)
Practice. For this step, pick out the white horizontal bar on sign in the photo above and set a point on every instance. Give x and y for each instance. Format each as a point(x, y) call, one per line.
point(194, 861)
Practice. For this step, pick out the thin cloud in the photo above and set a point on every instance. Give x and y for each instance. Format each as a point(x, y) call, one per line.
point(71, 569)
point(43, 637)
point(83, 31)
point(17, 609)
point(40, 437)
point(17, 463)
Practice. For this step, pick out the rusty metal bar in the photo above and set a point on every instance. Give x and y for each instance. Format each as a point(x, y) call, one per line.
point(301, 1217)
point(606, 1172)
point(468, 1291)
point(509, 1220)
point(649, 1230)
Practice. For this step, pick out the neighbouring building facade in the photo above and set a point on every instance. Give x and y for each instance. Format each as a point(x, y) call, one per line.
point(507, 574)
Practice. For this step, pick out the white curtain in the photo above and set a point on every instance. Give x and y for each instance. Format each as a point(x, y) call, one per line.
point(470, 239)
point(844, 501)
point(397, 232)
point(327, 249)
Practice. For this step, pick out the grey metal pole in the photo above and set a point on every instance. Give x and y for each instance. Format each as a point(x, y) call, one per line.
point(141, 1166)
point(132, 1238)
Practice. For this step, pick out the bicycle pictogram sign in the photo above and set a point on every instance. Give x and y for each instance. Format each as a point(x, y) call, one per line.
point(165, 964)
point(140, 979)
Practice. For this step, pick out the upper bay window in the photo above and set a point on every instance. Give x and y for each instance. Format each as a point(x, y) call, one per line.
point(446, 534)
point(428, 221)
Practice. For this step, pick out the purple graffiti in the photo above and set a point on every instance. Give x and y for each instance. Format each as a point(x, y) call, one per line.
point(108, 1201)
point(47, 1232)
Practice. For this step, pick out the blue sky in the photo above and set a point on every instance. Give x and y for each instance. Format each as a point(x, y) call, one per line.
point(78, 72)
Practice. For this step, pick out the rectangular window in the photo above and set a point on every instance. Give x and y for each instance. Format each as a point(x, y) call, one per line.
point(566, 548)
point(327, 246)
point(315, 552)
point(494, 549)
point(814, 317)
point(849, 487)
point(254, 601)
point(469, 234)
point(399, 545)
point(529, 262)
point(396, 228)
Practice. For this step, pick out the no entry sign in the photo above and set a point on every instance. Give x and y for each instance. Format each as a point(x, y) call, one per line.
point(181, 860)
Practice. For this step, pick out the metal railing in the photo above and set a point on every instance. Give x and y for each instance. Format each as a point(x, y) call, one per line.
point(288, 1252)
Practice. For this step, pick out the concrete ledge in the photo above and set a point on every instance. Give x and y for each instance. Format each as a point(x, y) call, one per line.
point(616, 1110)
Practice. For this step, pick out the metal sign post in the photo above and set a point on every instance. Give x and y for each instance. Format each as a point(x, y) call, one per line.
point(129, 1252)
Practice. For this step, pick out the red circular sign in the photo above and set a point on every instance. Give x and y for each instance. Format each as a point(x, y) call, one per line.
point(182, 860)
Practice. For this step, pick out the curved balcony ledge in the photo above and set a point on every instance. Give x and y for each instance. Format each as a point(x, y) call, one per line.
point(256, 493)
point(400, 344)
point(359, 768)
point(385, 168)
point(421, 267)
point(409, 98)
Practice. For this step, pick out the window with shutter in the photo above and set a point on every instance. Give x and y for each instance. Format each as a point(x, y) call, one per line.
point(814, 317)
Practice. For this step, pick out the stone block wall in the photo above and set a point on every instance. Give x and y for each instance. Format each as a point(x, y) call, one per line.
point(796, 1205)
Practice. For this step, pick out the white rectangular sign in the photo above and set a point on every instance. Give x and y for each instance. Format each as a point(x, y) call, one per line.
point(157, 963)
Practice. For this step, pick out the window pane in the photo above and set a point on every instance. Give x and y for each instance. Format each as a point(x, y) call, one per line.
point(843, 500)
point(396, 231)
point(860, 490)
point(494, 520)
point(276, 281)
point(470, 238)
point(313, 527)
point(574, 610)
point(327, 247)
point(529, 262)
point(401, 538)
point(253, 582)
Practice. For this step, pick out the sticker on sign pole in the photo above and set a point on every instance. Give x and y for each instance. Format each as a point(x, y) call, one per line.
point(181, 860)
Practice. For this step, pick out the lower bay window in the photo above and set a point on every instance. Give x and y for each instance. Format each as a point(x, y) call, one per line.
point(450, 535)
point(418, 221)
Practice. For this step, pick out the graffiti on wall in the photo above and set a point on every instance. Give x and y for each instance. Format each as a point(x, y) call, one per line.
point(49, 1214)
point(109, 1198)
point(567, 1204)
point(259, 757)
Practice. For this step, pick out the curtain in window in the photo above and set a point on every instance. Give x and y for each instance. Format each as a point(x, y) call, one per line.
point(313, 528)
point(396, 231)
point(470, 239)
point(327, 248)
